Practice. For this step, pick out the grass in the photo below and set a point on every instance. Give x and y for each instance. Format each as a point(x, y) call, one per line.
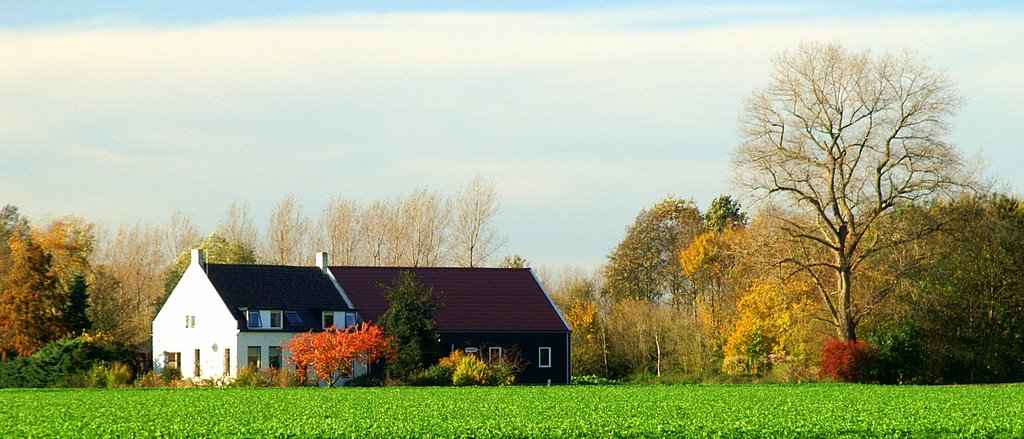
point(815, 410)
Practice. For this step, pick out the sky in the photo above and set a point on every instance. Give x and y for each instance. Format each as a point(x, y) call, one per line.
point(580, 113)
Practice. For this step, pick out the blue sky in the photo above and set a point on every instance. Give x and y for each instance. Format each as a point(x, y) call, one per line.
point(581, 113)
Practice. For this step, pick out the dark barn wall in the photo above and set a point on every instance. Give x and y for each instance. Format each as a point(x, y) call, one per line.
point(526, 345)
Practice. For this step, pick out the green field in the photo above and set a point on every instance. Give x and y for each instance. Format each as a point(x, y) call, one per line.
point(585, 411)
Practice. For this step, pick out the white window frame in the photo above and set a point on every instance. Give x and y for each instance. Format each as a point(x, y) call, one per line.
point(259, 357)
point(280, 319)
point(323, 319)
point(540, 357)
point(254, 323)
point(491, 356)
point(350, 319)
point(173, 360)
point(190, 321)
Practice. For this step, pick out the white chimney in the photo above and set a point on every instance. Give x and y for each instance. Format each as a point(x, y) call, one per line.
point(322, 260)
point(199, 257)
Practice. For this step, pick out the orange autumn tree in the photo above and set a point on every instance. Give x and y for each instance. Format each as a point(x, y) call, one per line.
point(330, 354)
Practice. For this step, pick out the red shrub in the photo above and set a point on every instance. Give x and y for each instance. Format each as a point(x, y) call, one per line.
point(847, 361)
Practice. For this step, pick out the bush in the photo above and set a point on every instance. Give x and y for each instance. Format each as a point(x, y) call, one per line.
point(592, 380)
point(436, 375)
point(250, 377)
point(170, 374)
point(151, 380)
point(364, 381)
point(65, 362)
point(847, 361)
point(103, 375)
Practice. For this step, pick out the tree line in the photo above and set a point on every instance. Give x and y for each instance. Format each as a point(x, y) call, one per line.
point(70, 275)
point(875, 253)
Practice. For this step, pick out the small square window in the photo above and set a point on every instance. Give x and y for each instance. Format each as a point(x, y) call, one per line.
point(544, 355)
point(328, 318)
point(173, 360)
point(254, 319)
point(190, 321)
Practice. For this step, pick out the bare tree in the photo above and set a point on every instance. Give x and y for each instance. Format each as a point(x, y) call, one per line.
point(373, 226)
point(182, 234)
point(238, 226)
point(843, 139)
point(426, 217)
point(129, 286)
point(287, 234)
point(474, 237)
point(340, 231)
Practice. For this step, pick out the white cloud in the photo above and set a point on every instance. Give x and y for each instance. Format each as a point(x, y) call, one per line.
point(579, 118)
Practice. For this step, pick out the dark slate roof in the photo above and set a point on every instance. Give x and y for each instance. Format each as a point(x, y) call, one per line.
point(305, 290)
point(475, 299)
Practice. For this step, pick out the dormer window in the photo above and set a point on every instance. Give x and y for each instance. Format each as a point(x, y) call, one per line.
point(292, 317)
point(328, 319)
point(275, 319)
point(254, 319)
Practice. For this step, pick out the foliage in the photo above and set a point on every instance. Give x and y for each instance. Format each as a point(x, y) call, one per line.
point(592, 380)
point(219, 250)
point(330, 355)
point(522, 411)
point(409, 320)
point(64, 362)
point(724, 212)
point(841, 140)
point(31, 303)
point(645, 265)
point(959, 317)
point(75, 311)
point(847, 361)
point(768, 316)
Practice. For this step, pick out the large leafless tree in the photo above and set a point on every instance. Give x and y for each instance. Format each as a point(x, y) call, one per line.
point(842, 139)
point(287, 234)
point(475, 239)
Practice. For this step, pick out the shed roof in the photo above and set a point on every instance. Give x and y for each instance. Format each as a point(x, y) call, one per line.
point(474, 299)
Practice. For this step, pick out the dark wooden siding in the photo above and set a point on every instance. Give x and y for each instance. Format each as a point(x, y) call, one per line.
point(524, 344)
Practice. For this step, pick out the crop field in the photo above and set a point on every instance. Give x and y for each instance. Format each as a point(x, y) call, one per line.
point(580, 411)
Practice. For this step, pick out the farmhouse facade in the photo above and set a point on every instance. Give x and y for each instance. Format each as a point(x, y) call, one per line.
point(223, 317)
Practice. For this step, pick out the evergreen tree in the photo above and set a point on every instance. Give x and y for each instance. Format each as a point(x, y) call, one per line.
point(75, 316)
point(410, 321)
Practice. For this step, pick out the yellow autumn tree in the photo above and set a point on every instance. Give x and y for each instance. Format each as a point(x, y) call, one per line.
point(769, 315)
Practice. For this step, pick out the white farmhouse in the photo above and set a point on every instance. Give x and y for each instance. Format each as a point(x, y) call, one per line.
point(221, 317)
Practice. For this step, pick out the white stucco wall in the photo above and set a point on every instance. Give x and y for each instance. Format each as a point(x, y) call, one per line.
point(215, 327)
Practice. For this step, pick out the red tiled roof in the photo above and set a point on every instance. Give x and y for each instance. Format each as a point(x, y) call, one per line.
point(475, 299)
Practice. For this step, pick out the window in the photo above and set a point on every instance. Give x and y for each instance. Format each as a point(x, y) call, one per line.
point(190, 321)
point(544, 359)
point(494, 354)
point(275, 357)
point(254, 357)
point(227, 362)
point(195, 369)
point(254, 319)
point(328, 318)
point(471, 350)
point(350, 319)
point(275, 319)
point(173, 360)
point(293, 318)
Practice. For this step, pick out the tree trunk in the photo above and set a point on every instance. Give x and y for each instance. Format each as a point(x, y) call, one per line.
point(846, 327)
